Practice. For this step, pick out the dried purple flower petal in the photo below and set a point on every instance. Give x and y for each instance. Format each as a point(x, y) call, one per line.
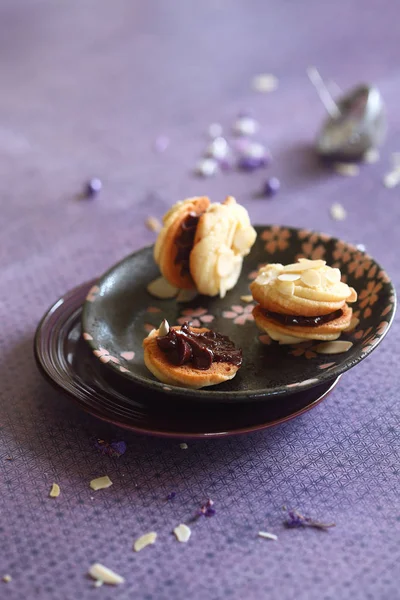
point(250, 163)
point(271, 186)
point(207, 509)
point(92, 188)
point(171, 495)
point(295, 519)
point(113, 449)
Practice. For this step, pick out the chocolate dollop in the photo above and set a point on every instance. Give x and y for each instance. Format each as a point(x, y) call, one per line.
point(185, 241)
point(200, 349)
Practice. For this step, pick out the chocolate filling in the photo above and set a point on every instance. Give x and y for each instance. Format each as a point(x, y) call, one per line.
point(201, 349)
point(294, 320)
point(185, 240)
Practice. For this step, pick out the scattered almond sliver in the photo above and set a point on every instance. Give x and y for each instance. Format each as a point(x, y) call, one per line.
point(336, 347)
point(100, 483)
point(338, 212)
point(347, 169)
point(153, 224)
point(161, 288)
point(144, 540)
point(392, 178)
point(182, 533)
point(353, 324)
point(186, 295)
point(7, 578)
point(105, 575)
point(248, 298)
point(267, 535)
point(371, 156)
point(55, 491)
point(264, 83)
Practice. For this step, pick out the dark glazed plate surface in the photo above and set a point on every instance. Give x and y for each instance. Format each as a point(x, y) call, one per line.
point(119, 312)
point(67, 362)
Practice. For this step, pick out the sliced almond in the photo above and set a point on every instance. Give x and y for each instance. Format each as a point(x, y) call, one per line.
point(311, 278)
point(105, 575)
point(353, 324)
point(338, 212)
point(286, 288)
point(267, 535)
point(55, 491)
point(161, 288)
point(352, 297)
point(244, 239)
point(182, 533)
point(303, 265)
point(153, 224)
point(333, 275)
point(186, 295)
point(392, 179)
point(288, 277)
point(144, 540)
point(248, 298)
point(336, 347)
point(347, 169)
point(371, 156)
point(6, 578)
point(225, 265)
point(222, 289)
point(164, 328)
point(100, 483)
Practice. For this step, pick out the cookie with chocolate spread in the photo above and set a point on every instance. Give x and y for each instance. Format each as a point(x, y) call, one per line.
point(201, 245)
point(192, 357)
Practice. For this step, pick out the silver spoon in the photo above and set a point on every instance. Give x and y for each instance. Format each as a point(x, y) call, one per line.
point(356, 122)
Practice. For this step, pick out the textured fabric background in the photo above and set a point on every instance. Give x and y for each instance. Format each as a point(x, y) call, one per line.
point(86, 87)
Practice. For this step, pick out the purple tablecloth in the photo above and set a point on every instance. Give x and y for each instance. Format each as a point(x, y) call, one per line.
point(86, 87)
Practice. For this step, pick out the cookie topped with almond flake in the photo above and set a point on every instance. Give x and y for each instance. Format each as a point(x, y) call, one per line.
point(302, 301)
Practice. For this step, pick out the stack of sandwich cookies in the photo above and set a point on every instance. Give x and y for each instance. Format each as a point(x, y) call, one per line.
point(302, 301)
point(201, 245)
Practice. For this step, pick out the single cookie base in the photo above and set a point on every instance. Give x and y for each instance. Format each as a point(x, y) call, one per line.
point(185, 375)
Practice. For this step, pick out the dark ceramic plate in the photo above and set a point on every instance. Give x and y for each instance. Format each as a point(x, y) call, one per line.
point(67, 362)
point(119, 312)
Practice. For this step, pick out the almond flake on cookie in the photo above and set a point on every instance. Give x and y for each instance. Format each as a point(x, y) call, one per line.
point(288, 277)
